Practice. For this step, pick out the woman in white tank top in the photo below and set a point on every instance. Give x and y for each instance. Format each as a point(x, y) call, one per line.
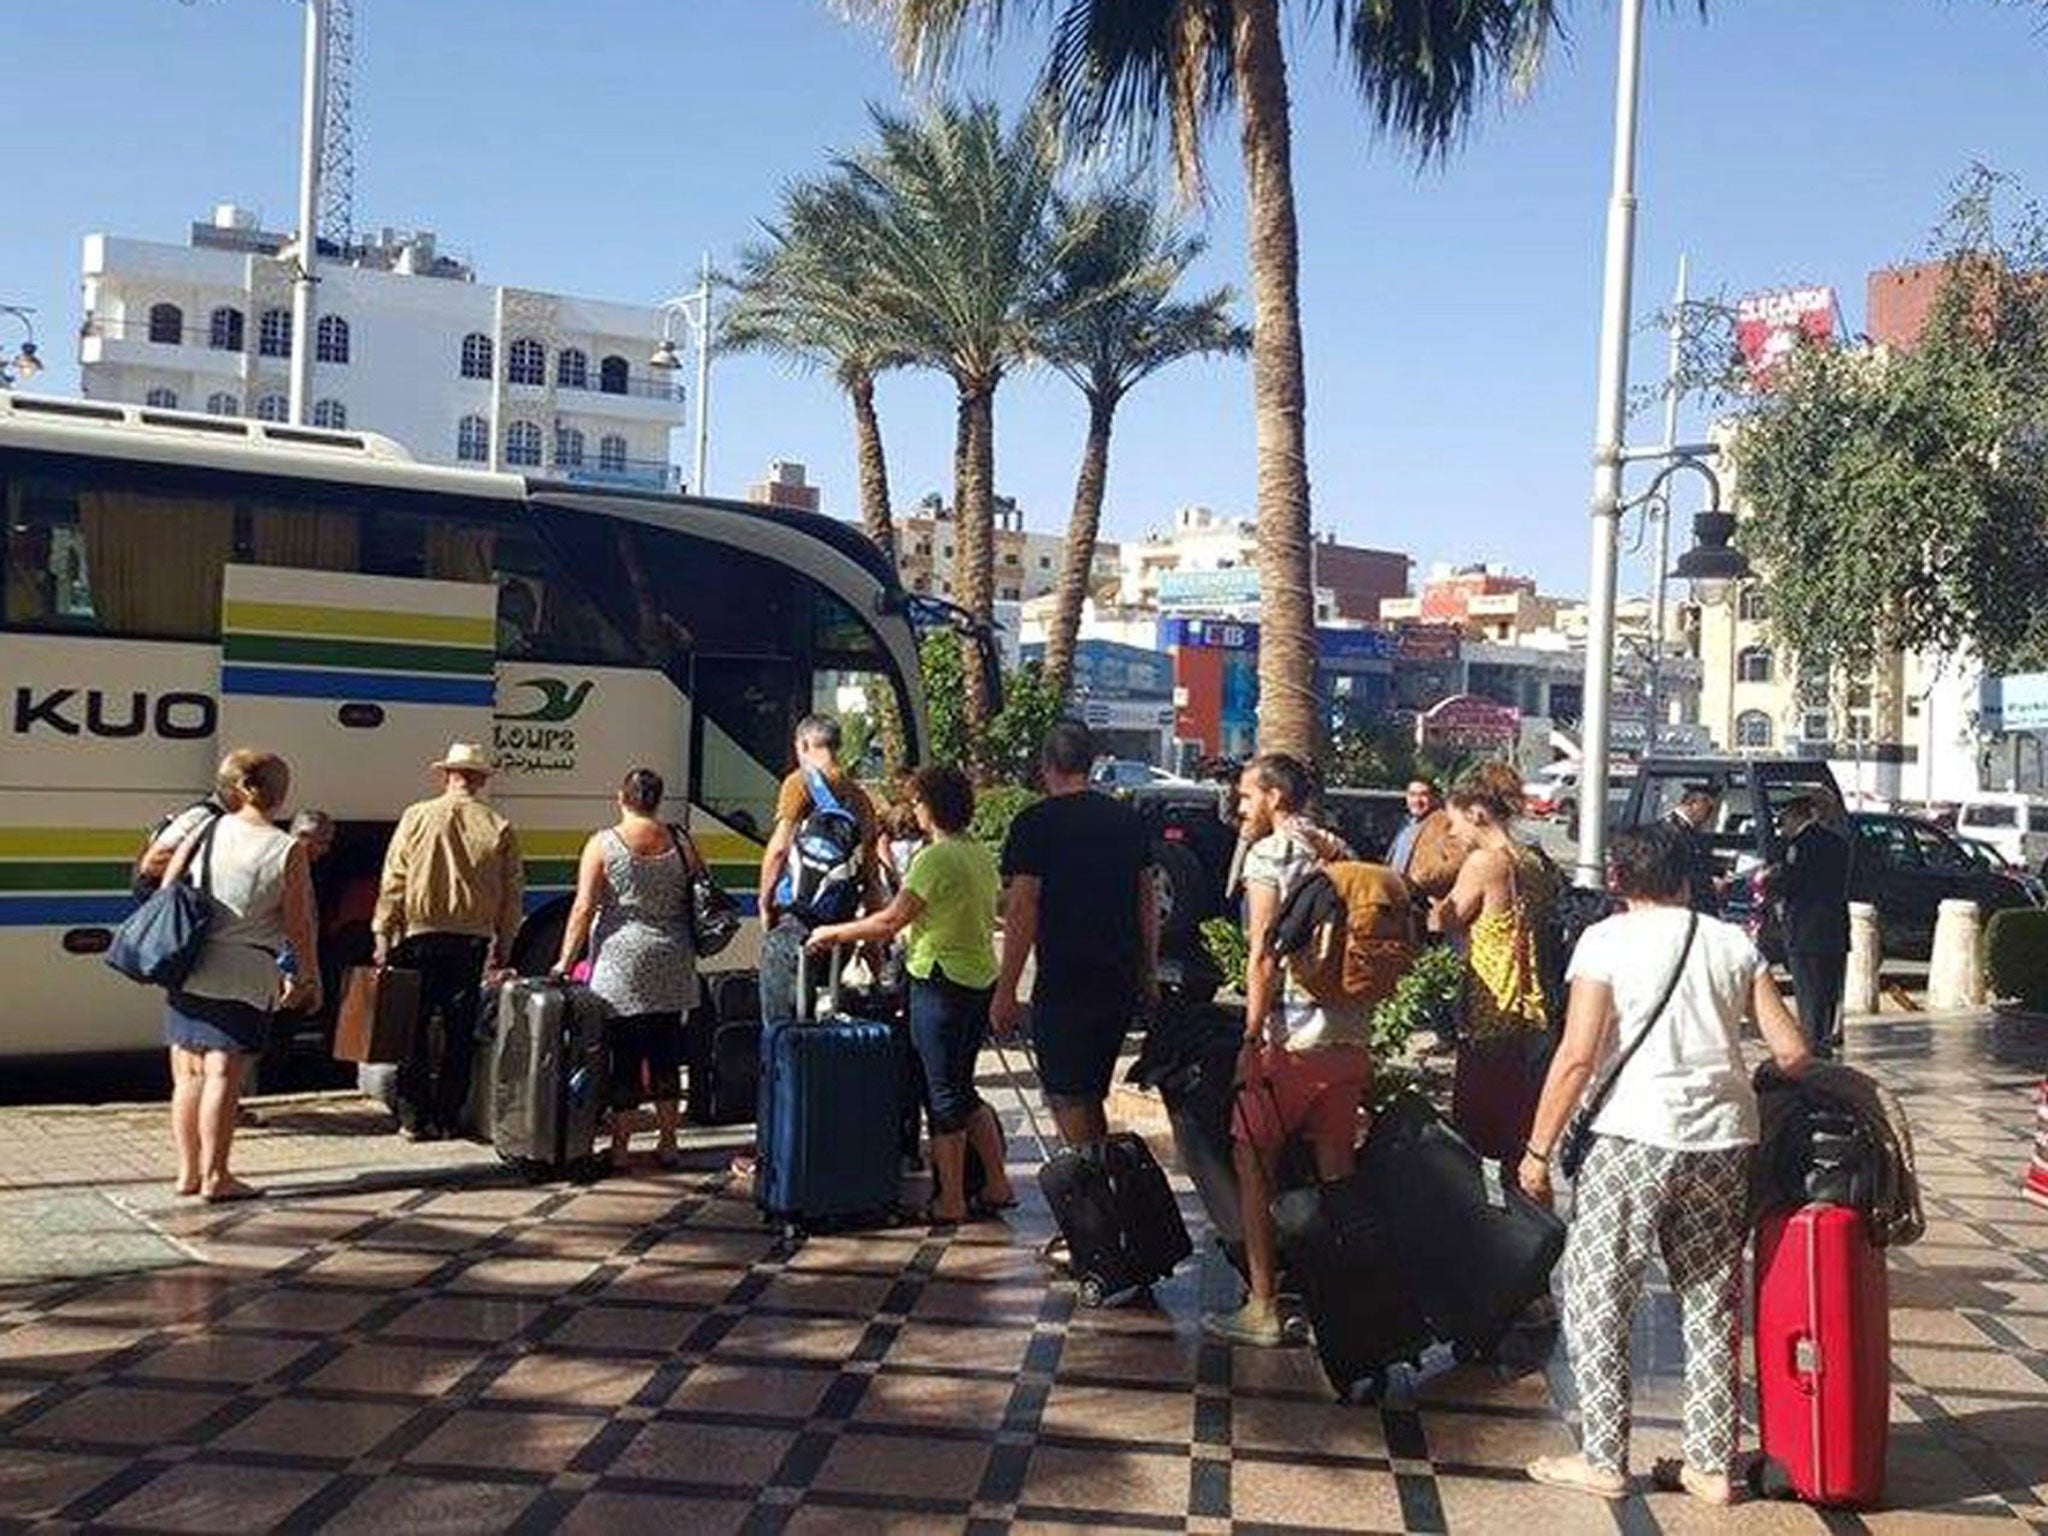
point(261, 887)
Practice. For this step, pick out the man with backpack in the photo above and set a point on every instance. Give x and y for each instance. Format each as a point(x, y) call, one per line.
point(1304, 1068)
point(820, 865)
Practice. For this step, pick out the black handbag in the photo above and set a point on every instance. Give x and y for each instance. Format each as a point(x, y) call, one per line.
point(1578, 1138)
point(160, 942)
point(714, 916)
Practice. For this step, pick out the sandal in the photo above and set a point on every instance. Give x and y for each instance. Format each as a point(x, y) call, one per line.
point(988, 1210)
point(1669, 1474)
point(231, 1190)
point(1576, 1474)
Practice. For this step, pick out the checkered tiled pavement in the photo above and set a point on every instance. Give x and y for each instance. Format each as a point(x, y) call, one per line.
point(475, 1355)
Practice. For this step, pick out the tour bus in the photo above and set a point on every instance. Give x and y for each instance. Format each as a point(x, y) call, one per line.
point(179, 585)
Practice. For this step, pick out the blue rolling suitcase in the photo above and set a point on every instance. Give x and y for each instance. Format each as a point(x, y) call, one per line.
point(829, 1154)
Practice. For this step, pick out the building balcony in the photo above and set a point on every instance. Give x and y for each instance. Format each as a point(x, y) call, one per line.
point(624, 474)
point(136, 343)
point(641, 399)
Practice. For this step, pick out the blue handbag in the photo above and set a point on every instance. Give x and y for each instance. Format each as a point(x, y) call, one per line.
point(160, 942)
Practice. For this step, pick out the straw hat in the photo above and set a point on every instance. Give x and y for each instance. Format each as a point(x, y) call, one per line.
point(467, 756)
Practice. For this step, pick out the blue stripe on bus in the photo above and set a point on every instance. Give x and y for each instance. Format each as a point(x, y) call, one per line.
point(64, 911)
point(370, 687)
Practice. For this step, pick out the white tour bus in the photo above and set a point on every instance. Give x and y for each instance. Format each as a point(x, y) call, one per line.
point(179, 585)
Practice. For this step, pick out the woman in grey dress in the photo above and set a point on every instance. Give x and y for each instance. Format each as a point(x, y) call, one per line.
point(633, 892)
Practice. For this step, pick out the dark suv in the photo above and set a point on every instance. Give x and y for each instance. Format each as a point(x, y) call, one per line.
point(1194, 839)
point(1902, 865)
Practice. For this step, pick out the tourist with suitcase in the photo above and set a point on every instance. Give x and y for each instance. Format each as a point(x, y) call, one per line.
point(948, 905)
point(633, 907)
point(1659, 1155)
point(1303, 1068)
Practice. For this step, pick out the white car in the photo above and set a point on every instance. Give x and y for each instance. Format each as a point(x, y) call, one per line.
point(2015, 824)
point(1128, 773)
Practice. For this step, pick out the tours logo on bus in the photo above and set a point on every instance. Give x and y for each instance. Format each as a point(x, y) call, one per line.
point(115, 715)
point(539, 740)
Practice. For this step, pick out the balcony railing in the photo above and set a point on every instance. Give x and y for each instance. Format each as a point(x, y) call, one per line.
point(643, 389)
point(140, 329)
point(629, 474)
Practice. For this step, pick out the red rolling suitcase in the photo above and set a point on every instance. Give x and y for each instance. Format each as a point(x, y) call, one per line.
point(1823, 1353)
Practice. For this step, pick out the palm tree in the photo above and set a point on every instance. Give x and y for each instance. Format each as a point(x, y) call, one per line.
point(957, 225)
point(804, 292)
point(1118, 67)
point(1113, 323)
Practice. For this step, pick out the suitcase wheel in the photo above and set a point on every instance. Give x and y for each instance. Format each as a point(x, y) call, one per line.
point(1091, 1292)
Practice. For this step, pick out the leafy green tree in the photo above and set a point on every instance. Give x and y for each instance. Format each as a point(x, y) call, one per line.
point(1126, 69)
point(1010, 742)
point(1898, 499)
point(804, 292)
point(1113, 322)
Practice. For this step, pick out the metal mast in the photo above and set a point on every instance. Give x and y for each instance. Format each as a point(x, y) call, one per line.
point(306, 257)
point(337, 127)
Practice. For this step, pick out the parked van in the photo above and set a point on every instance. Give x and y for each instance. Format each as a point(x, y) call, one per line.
point(2015, 824)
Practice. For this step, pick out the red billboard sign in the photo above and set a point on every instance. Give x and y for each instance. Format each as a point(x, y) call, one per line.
point(1470, 723)
point(1768, 326)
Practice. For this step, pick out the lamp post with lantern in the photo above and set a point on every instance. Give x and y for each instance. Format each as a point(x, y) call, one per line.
point(26, 362)
point(695, 308)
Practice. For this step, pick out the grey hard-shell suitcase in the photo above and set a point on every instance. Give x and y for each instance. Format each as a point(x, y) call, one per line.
point(548, 1077)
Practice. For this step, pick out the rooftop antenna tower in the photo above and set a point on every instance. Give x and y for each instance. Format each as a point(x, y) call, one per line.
point(337, 126)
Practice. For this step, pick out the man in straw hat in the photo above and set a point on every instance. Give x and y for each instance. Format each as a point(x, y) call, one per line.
point(448, 907)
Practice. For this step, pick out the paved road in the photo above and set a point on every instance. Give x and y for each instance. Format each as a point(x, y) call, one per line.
point(400, 1338)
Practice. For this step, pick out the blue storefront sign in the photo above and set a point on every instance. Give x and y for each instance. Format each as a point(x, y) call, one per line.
point(2015, 703)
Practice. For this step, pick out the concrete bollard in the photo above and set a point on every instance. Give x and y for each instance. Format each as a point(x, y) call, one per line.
point(1955, 971)
point(1866, 960)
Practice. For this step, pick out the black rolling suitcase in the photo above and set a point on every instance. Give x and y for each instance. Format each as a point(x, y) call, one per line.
point(723, 1051)
point(1342, 1260)
point(549, 1072)
point(1475, 1250)
point(1115, 1210)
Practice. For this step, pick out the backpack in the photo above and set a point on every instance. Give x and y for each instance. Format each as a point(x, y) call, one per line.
point(1346, 933)
point(821, 881)
point(1572, 910)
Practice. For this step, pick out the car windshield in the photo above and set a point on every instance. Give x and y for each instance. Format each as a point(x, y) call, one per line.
point(1992, 816)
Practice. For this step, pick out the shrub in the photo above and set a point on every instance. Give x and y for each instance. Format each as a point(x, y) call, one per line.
point(1226, 945)
point(1427, 997)
point(2016, 957)
point(995, 807)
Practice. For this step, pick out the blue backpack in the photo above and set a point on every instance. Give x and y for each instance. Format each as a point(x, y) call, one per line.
point(821, 880)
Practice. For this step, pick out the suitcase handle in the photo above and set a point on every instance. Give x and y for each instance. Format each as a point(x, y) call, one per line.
point(1024, 1099)
point(835, 960)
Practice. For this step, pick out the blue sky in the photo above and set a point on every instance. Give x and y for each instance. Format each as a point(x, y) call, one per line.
point(1450, 316)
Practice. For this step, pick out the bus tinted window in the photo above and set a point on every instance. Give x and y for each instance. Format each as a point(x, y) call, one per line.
point(112, 560)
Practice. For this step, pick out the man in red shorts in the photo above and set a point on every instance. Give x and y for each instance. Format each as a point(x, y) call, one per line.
point(1304, 1067)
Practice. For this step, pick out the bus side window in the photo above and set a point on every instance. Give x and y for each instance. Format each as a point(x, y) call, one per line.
point(116, 561)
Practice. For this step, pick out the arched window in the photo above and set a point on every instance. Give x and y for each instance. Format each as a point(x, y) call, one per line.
point(221, 403)
point(1753, 607)
point(473, 440)
point(611, 375)
point(329, 413)
point(526, 362)
point(611, 454)
point(476, 356)
point(522, 444)
point(572, 369)
point(274, 333)
point(1753, 730)
point(166, 324)
point(163, 399)
point(1753, 665)
point(330, 340)
point(273, 408)
point(224, 329)
point(568, 448)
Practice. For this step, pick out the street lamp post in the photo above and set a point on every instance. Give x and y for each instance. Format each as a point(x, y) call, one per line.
point(26, 362)
point(312, 111)
point(695, 308)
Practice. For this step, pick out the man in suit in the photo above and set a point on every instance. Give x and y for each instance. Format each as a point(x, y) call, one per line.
point(1809, 882)
point(1693, 814)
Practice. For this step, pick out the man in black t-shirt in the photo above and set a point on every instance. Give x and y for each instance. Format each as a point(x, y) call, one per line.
point(1080, 892)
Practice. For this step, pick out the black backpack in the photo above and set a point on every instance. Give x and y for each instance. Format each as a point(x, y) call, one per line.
point(821, 881)
point(1573, 909)
point(143, 886)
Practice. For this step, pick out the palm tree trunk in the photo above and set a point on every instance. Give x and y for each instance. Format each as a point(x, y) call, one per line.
point(875, 517)
point(1083, 524)
point(1288, 715)
point(974, 572)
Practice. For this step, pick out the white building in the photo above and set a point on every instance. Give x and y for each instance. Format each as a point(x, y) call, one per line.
point(407, 343)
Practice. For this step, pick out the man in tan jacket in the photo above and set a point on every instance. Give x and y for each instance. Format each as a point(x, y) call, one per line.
point(449, 907)
point(1426, 851)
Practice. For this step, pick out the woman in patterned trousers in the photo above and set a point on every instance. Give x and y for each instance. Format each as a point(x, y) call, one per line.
point(1667, 1174)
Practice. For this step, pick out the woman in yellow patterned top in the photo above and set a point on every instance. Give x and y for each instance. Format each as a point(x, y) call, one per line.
point(1495, 912)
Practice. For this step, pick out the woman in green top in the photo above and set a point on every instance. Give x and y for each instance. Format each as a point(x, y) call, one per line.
point(948, 902)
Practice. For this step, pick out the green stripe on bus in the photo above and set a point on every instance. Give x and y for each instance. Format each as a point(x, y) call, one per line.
point(550, 872)
point(358, 655)
point(44, 875)
point(359, 623)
